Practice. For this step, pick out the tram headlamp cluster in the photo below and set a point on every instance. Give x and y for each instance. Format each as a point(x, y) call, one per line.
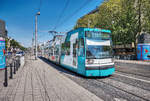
point(89, 61)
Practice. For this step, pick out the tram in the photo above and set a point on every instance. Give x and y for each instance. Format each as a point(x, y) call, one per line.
point(86, 51)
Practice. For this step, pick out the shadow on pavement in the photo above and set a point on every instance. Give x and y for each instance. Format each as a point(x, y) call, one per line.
point(67, 71)
point(58, 67)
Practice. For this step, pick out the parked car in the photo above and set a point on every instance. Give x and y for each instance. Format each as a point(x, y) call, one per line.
point(19, 53)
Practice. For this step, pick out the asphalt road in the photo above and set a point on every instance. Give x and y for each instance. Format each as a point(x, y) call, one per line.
point(131, 82)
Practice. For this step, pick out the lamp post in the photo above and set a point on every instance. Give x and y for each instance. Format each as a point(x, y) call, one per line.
point(38, 13)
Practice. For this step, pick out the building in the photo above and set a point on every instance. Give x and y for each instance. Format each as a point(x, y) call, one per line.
point(3, 31)
point(3, 35)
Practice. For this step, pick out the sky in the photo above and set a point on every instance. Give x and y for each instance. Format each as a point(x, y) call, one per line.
point(19, 16)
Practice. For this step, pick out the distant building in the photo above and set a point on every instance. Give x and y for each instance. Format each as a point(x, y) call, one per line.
point(3, 31)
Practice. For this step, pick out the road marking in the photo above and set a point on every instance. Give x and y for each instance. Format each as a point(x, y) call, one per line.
point(119, 99)
point(133, 78)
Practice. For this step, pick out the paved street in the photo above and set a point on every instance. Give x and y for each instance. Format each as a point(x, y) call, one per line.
point(37, 81)
point(75, 50)
point(43, 81)
point(121, 86)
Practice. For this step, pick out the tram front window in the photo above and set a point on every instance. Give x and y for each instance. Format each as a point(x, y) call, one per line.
point(98, 52)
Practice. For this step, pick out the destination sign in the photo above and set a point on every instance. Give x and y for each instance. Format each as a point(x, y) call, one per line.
point(97, 35)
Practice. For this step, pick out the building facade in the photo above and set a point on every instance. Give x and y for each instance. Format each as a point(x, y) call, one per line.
point(3, 35)
point(3, 31)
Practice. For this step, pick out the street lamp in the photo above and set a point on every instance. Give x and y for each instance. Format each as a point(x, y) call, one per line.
point(38, 13)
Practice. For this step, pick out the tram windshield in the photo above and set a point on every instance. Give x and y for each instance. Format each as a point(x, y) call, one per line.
point(98, 52)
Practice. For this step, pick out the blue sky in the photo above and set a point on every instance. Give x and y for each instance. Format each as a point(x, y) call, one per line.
point(19, 16)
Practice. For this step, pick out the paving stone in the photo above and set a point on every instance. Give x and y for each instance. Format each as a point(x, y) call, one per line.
point(37, 81)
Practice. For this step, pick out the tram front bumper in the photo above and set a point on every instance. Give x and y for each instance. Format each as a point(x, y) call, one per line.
point(100, 71)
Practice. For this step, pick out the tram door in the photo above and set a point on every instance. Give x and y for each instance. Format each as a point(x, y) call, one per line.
point(81, 56)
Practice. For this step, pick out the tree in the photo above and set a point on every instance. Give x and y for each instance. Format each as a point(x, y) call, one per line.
point(15, 44)
point(146, 15)
point(87, 21)
point(125, 18)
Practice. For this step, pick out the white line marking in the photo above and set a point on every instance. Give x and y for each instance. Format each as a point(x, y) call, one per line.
point(119, 99)
point(133, 78)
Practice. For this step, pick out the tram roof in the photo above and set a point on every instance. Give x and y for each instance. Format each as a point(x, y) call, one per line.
point(90, 29)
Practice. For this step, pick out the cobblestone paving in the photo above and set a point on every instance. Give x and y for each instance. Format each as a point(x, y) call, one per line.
point(37, 81)
point(121, 86)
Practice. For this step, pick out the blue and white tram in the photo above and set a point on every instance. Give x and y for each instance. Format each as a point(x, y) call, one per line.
point(86, 51)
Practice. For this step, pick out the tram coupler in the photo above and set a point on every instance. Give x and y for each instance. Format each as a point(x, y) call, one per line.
point(11, 71)
point(5, 78)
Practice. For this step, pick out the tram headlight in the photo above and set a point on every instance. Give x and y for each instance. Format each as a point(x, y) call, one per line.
point(89, 61)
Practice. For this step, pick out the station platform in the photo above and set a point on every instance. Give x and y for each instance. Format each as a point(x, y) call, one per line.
point(133, 62)
point(38, 81)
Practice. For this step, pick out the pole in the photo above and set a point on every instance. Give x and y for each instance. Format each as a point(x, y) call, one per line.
point(36, 37)
point(5, 79)
point(32, 50)
point(11, 71)
point(14, 66)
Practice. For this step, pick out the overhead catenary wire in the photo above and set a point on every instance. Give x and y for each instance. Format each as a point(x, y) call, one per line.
point(61, 14)
point(58, 23)
point(39, 9)
point(74, 13)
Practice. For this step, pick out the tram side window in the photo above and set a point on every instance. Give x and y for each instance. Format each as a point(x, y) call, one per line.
point(56, 51)
point(66, 48)
point(75, 48)
point(81, 47)
point(63, 49)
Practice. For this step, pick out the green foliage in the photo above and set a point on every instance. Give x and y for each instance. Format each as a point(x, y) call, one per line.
point(146, 14)
point(15, 44)
point(87, 21)
point(121, 17)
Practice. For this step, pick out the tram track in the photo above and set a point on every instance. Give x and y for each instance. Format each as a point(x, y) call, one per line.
point(109, 91)
point(123, 91)
point(123, 94)
point(137, 74)
point(130, 81)
point(103, 87)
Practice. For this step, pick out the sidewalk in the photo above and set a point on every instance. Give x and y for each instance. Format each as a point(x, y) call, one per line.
point(37, 81)
point(133, 62)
